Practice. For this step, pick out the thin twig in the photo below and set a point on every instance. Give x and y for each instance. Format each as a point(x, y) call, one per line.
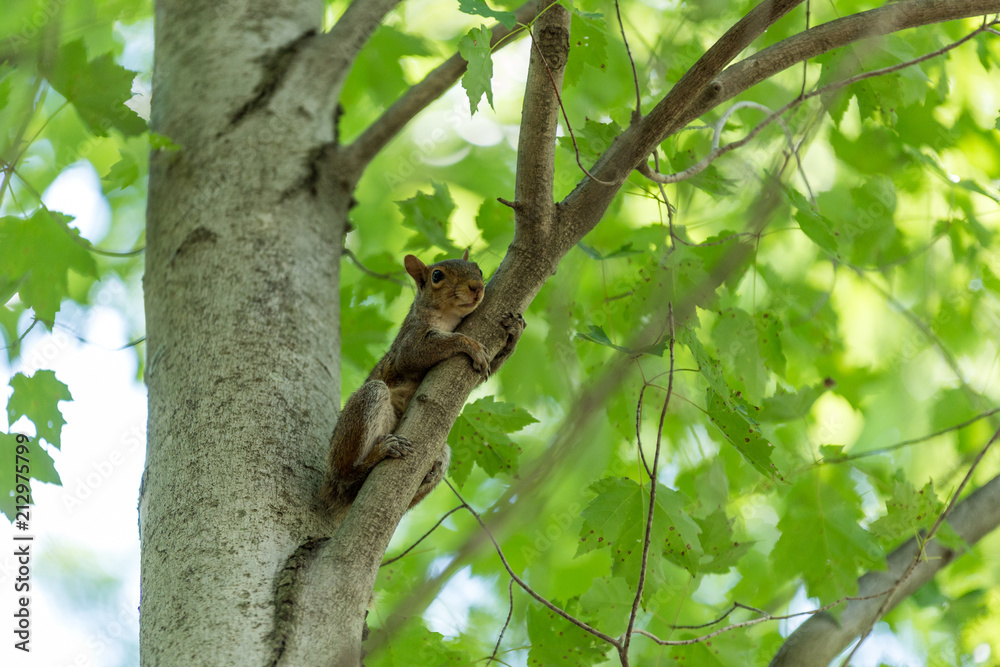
point(569, 128)
point(422, 537)
point(905, 443)
point(520, 582)
point(666, 201)
point(76, 238)
point(81, 339)
point(510, 612)
point(755, 621)
point(430, 88)
point(637, 114)
point(627, 636)
point(720, 619)
point(921, 544)
point(638, 435)
point(381, 276)
point(20, 338)
point(8, 168)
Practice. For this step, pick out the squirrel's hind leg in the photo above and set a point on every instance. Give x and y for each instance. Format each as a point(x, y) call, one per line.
point(375, 419)
point(359, 442)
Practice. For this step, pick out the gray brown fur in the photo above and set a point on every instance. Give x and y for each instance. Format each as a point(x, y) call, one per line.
point(364, 433)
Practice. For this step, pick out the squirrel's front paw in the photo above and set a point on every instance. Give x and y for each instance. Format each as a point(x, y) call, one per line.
point(395, 446)
point(480, 362)
point(513, 324)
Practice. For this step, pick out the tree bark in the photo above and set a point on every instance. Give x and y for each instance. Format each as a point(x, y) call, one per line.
point(241, 295)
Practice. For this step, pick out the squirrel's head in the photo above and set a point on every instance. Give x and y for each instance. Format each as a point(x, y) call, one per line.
point(453, 285)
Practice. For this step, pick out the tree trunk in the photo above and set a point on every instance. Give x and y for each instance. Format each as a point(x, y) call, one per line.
point(241, 292)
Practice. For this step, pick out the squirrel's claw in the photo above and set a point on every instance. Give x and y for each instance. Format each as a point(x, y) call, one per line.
point(395, 446)
point(513, 324)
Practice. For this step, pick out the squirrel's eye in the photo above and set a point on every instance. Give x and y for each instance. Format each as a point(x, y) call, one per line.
point(437, 276)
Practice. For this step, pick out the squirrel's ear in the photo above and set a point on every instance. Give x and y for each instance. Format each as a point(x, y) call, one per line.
point(465, 255)
point(417, 269)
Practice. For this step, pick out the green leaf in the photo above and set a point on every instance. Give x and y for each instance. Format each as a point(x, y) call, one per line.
point(616, 519)
point(39, 467)
point(428, 215)
point(908, 511)
point(822, 231)
point(477, 80)
point(480, 435)
point(97, 89)
point(786, 406)
point(480, 8)
point(556, 641)
point(37, 398)
point(384, 264)
point(608, 603)
point(592, 140)
point(364, 342)
point(42, 251)
point(740, 427)
point(722, 550)
point(415, 644)
point(162, 142)
point(821, 537)
point(736, 335)
point(831, 453)
point(123, 174)
point(596, 334)
point(624, 251)
point(6, 85)
point(378, 73)
point(587, 48)
point(495, 221)
point(707, 366)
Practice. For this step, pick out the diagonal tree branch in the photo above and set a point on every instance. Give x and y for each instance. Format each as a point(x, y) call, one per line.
point(821, 638)
point(711, 86)
point(892, 599)
point(718, 151)
point(766, 63)
point(640, 138)
point(352, 31)
point(379, 133)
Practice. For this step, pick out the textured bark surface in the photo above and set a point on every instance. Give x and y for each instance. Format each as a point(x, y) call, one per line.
point(242, 312)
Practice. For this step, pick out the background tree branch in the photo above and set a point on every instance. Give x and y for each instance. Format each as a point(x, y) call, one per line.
point(363, 149)
point(822, 637)
point(745, 74)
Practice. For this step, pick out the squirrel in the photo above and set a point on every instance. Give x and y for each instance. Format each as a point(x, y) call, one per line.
point(446, 292)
